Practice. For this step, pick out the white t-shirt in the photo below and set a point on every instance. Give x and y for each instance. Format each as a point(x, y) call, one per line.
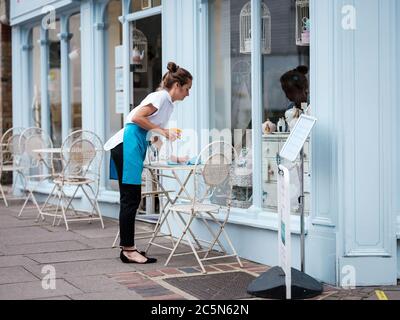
point(161, 100)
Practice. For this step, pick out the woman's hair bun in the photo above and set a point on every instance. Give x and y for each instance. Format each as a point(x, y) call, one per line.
point(302, 69)
point(172, 67)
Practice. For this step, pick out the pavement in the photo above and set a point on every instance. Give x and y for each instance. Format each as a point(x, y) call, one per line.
point(85, 267)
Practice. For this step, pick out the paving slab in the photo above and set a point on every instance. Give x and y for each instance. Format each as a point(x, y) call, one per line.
point(34, 290)
point(23, 236)
point(7, 222)
point(98, 243)
point(96, 283)
point(26, 232)
point(80, 255)
point(94, 233)
point(123, 294)
point(10, 261)
point(56, 298)
point(85, 268)
point(15, 275)
point(57, 246)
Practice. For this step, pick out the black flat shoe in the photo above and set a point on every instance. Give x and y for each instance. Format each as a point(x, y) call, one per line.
point(125, 259)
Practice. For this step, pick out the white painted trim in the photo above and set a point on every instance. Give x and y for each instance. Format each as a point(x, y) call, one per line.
point(143, 14)
point(37, 12)
point(44, 86)
point(256, 104)
point(65, 78)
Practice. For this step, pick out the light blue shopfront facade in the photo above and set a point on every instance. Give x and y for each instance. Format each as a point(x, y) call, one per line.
point(354, 222)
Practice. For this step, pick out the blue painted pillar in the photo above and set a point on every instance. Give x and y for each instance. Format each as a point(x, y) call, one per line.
point(256, 103)
point(88, 65)
point(17, 76)
point(26, 92)
point(100, 96)
point(125, 42)
point(66, 114)
point(44, 68)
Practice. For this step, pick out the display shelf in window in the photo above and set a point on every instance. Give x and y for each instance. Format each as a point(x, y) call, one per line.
point(139, 51)
point(302, 22)
point(245, 29)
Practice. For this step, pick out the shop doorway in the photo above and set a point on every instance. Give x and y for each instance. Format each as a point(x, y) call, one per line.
point(145, 57)
point(146, 74)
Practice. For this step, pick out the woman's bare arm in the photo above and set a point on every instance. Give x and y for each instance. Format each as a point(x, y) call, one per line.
point(140, 118)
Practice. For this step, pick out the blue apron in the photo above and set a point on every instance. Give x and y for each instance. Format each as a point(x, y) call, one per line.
point(135, 147)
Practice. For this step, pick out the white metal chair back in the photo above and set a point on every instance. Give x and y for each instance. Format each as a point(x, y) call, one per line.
point(31, 140)
point(10, 151)
point(82, 154)
point(212, 179)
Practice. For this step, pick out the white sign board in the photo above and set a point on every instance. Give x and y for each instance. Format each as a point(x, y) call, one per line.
point(297, 137)
point(284, 243)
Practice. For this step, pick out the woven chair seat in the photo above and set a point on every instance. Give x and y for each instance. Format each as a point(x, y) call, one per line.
point(73, 180)
point(198, 207)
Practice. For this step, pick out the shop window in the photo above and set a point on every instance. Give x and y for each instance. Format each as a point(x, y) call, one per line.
point(113, 40)
point(283, 102)
point(230, 90)
point(75, 69)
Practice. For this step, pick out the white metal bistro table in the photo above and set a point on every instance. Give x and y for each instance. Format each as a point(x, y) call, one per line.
point(158, 172)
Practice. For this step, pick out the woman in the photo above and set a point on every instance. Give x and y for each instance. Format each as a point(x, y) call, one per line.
point(128, 150)
point(295, 85)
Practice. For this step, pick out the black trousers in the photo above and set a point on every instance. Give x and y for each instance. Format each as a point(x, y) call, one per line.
point(130, 196)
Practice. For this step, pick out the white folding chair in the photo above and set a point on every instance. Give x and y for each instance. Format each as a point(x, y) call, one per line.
point(37, 168)
point(82, 154)
point(212, 198)
point(10, 158)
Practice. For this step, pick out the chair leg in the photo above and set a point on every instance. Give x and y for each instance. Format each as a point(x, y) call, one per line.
point(232, 247)
point(24, 205)
point(215, 236)
point(184, 230)
point(95, 205)
point(115, 240)
point(195, 253)
point(3, 195)
point(157, 229)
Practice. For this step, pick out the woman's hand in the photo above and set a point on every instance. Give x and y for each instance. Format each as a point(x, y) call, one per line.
point(171, 134)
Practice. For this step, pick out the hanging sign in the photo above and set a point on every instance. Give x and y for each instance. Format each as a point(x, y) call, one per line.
point(284, 242)
point(297, 137)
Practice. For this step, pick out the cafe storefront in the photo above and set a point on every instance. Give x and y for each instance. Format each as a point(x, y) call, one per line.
point(85, 64)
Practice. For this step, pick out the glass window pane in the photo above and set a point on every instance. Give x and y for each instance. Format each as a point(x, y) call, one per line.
point(54, 85)
point(230, 88)
point(114, 39)
point(281, 99)
point(75, 69)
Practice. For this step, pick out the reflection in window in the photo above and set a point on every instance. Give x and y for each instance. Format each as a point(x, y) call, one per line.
point(35, 65)
point(75, 69)
point(54, 85)
point(279, 106)
point(230, 88)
